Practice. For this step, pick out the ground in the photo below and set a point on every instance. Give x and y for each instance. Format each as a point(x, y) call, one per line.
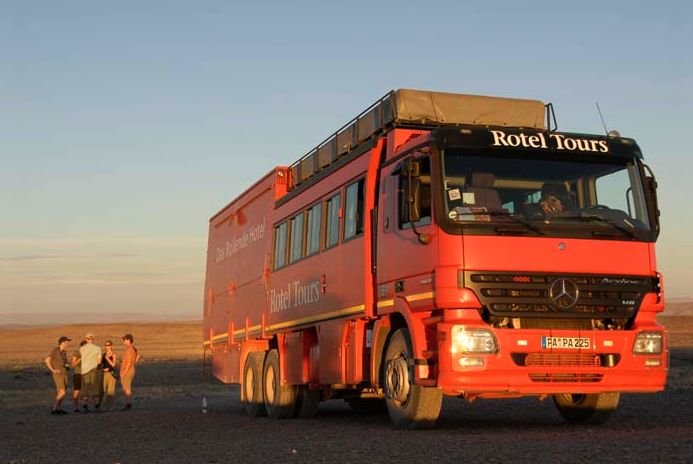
point(168, 425)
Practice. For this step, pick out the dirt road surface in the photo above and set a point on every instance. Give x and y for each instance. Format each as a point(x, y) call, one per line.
point(167, 425)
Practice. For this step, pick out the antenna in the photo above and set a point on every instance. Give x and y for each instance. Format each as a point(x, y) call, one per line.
point(606, 131)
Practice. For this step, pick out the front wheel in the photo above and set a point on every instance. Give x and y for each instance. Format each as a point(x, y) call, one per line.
point(410, 406)
point(594, 408)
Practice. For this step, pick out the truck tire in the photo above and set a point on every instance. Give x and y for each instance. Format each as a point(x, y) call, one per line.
point(410, 406)
point(587, 409)
point(251, 388)
point(280, 400)
point(308, 401)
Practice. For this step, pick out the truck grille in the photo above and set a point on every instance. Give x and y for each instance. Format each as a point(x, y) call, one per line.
point(566, 359)
point(562, 359)
point(576, 296)
point(563, 377)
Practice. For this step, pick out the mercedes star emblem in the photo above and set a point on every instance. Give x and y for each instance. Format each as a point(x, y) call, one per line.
point(564, 293)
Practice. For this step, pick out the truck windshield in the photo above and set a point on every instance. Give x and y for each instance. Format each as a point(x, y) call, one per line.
point(589, 196)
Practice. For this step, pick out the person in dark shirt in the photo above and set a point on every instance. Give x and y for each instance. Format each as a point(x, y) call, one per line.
point(56, 362)
point(108, 365)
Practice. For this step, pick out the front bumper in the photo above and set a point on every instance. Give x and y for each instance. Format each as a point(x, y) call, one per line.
point(521, 366)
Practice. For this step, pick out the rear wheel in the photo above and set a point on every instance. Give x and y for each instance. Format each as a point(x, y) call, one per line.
point(251, 388)
point(587, 409)
point(280, 400)
point(410, 406)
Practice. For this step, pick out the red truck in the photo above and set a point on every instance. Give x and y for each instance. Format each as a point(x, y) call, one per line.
point(441, 244)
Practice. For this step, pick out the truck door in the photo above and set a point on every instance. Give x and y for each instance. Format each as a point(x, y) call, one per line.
point(407, 249)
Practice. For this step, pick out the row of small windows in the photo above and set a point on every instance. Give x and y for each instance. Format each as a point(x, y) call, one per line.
point(305, 233)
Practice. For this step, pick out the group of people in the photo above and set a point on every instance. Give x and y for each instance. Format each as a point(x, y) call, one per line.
point(95, 373)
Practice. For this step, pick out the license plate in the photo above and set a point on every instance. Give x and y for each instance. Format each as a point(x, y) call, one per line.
point(565, 343)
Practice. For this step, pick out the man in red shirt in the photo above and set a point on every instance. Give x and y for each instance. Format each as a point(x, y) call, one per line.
point(127, 369)
point(56, 362)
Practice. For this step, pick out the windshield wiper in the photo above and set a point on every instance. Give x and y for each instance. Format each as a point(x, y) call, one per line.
point(595, 218)
point(516, 220)
point(526, 224)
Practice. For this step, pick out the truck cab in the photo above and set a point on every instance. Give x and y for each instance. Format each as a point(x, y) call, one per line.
point(529, 266)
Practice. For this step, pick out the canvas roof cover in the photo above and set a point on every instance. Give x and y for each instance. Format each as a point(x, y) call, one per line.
point(426, 107)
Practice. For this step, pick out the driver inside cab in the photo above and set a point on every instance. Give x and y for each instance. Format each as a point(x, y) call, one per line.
point(555, 199)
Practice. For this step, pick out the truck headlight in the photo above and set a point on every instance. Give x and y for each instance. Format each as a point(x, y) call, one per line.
point(472, 340)
point(648, 343)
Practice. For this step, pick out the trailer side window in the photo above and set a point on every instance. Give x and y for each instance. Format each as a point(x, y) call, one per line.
point(280, 246)
point(296, 243)
point(332, 221)
point(353, 221)
point(314, 223)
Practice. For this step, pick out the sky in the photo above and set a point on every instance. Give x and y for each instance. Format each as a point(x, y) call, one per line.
point(125, 125)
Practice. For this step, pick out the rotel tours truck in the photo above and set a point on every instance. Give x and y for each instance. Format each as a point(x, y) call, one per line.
point(441, 244)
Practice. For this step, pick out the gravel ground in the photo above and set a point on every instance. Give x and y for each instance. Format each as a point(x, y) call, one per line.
point(168, 426)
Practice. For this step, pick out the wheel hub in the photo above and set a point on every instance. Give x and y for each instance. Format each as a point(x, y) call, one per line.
point(397, 383)
point(269, 385)
point(249, 386)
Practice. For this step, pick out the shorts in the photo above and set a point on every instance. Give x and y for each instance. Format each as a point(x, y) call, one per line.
point(60, 381)
point(76, 382)
point(126, 381)
point(90, 385)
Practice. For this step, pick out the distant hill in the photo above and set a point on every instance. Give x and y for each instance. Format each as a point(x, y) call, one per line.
point(156, 341)
point(679, 307)
point(46, 319)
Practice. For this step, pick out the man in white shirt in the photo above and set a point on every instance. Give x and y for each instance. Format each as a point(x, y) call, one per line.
point(91, 359)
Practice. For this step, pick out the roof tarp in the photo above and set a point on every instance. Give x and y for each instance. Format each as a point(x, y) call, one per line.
point(426, 107)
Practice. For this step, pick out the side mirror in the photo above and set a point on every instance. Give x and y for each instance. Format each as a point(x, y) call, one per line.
point(411, 206)
point(651, 189)
point(412, 168)
point(411, 197)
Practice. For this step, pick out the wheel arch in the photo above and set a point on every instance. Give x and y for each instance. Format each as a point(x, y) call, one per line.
point(248, 347)
point(401, 317)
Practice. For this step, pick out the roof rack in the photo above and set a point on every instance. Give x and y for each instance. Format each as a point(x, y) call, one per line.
point(416, 109)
